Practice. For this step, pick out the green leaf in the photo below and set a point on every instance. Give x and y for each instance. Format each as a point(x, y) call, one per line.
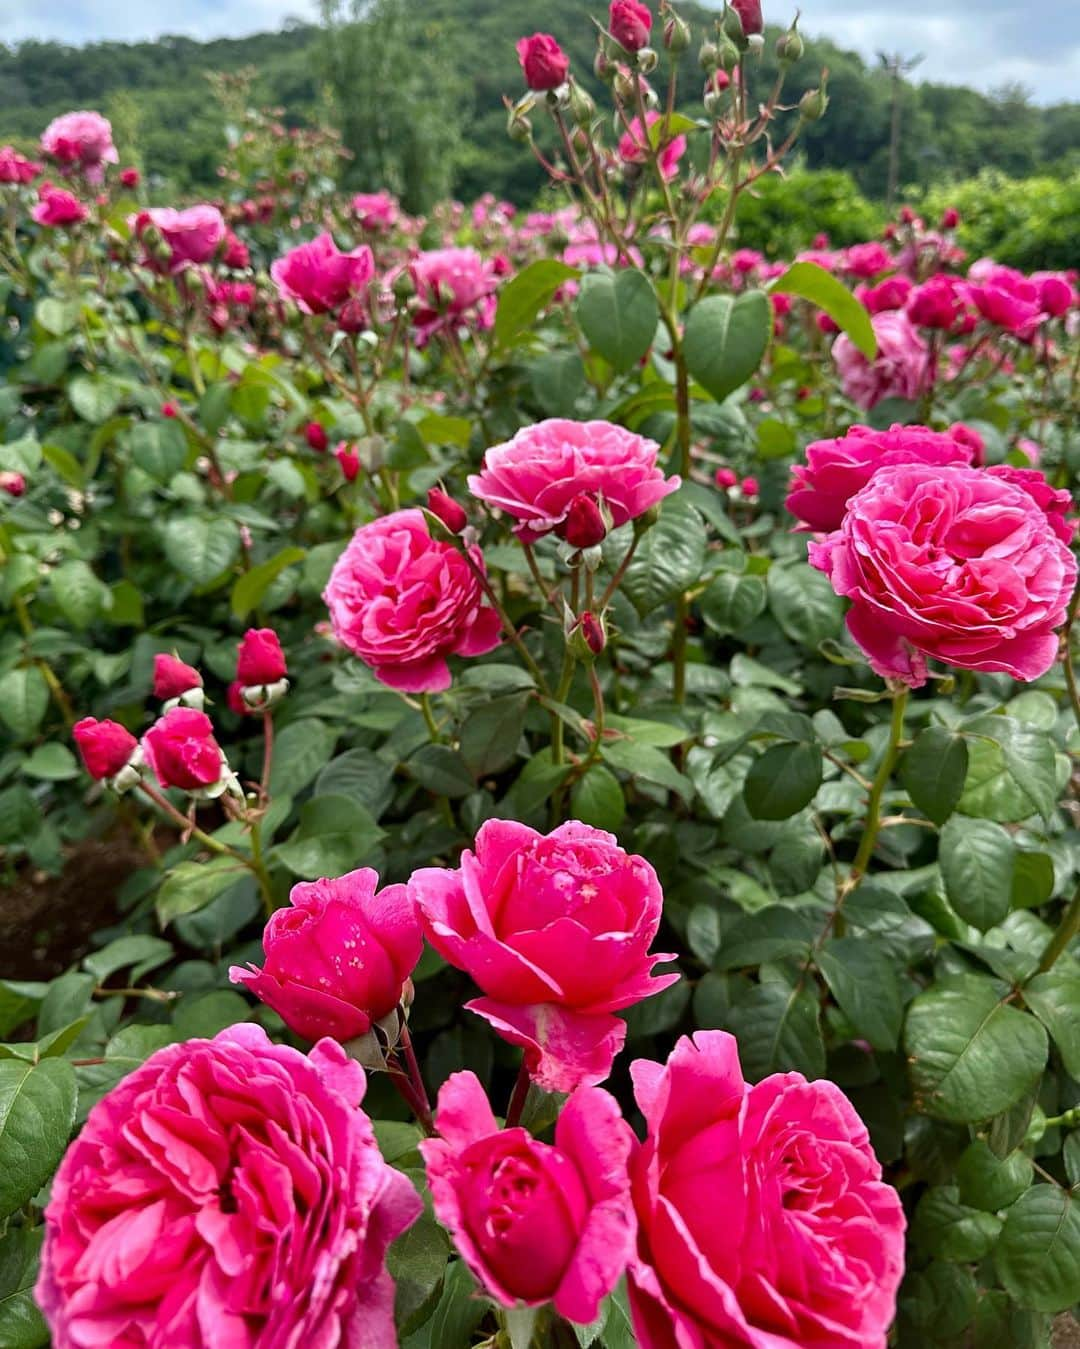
point(78, 593)
point(732, 602)
point(214, 407)
point(459, 1311)
point(597, 799)
point(1033, 879)
point(94, 397)
point(190, 886)
point(1038, 1253)
point(804, 603)
point(56, 316)
point(65, 464)
point(24, 700)
point(137, 949)
point(360, 774)
point(618, 314)
point(864, 983)
point(970, 1055)
point(159, 448)
point(21, 1324)
point(558, 379)
point(37, 1114)
point(1054, 997)
point(417, 1262)
point(976, 858)
point(201, 549)
point(669, 559)
point(645, 761)
point(52, 763)
point(989, 1182)
point(128, 1049)
point(335, 835)
point(778, 1031)
point(773, 933)
point(811, 282)
point(249, 589)
point(783, 781)
point(1011, 771)
point(202, 1017)
point(663, 734)
point(491, 733)
point(949, 1230)
point(441, 770)
point(726, 338)
point(301, 750)
point(933, 771)
point(523, 297)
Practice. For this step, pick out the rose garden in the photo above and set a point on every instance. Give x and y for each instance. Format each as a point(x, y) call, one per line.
point(587, 714)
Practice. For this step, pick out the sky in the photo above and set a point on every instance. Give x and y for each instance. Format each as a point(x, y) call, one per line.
point(982, 43)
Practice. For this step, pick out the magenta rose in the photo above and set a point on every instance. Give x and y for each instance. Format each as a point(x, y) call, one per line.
point(543, 62)
point(1006, 298)
point(867, 260)
point(320, 278)
point(937, 303)
point(403, 601)
point(376, 211)
point(556, 930)
point(836, 469)
point(749, 12)
point(181, 749)
point(192, 235)
point(536, 477)
point(56, 207)
point(960, 564)
point(259, 657)
point(105, 747)
point(892, 293)
point(16, 168)
point(900, 370)
point(338, 957)
point(629, 23)
point(634, 146)
point(455, 288)
point(1057, 505)
point(228, 1191)
point(763, 1220)
point(535, 1222)
point(81, 140)
point(173, 678)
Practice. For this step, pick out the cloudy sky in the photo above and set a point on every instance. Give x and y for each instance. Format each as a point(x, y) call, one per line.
point(984, 43)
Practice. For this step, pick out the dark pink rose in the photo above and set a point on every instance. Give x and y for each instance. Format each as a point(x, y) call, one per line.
point(1056, 505)
point(181, 749)
point(867, 260)
point(900, 370)
point(316, 437)
point(950, 218)
point(320, 278)
point(959, 564)
point(130, 177)
point(536, 477)
point(338, 957)
point(892, 293)
point(260, 659)
point(376, 211)
point(836, 469)
point(172, 678)
point(584, 526)
point(16, 168)
point(634, 146)
point(543, 62)
point(1057, 294)
point(104, 746)
point(236, 253)
point(450, 512)
point(749, 12)
point(937, 303)
point(763, 1220)
point(14, 484)
point(81, 140)
point(192, 235)
point(630, 24)
point(556, 931)
point(403, 601)
point(535, 1222)
point(455, 288)
point(348, 461)
point(1006, 298)
point(56, 207)
point(968, 436)
point(227, 1191)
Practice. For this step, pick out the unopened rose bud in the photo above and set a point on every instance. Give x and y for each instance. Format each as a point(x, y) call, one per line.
point(14, 484)
point(725, 478)
point(950, 219)
point(728, 53)
point(603, 67)
point(582, 107)
point(176, 683)
point(732, 27)
point(449, 511)
point(676, 34)
point(584, 526)
point(170, 410)
point(316, 437)
point(349, 461)
point(404, 286)
point(709, 57)
point(750, 487)
point(592, 629)
point(814, 103)
point(106, 749)
point(624, 86)
point(790, 47)
point(647, 60)
point(749, 12)
point(518, 126)
point(259, 657)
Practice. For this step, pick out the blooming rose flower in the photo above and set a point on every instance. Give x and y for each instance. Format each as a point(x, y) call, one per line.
point(634, 146)
point(936, 303)
point(535, 1222)
point(181, 749)
point(172, 678)
point(749, 12)
point(81, 140)
point(629, 23)
point(1056, 505)
point(15, 168)
point(556, 931)
point(320, 278)
point(536, 477)
point(337, 959)
point(1005, 297)
point(56, 207)
point(403, 601)
point(763, 1220)
point(901, 369)
point(236, 255)
point(1057, 294)
point(892, 293)
point(455, 288)
point(192, 235)
point(836, 469)
point(968, 436)
point(260, 659)
point(543, 61)
point(961, 564)
point(867, 260)
point(227, 1191)
point(105, 747)
point(376, 211)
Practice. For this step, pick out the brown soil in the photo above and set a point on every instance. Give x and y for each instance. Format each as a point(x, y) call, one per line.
point(1066, 1333)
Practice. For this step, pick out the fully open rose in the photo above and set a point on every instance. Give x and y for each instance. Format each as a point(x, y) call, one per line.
point(763, 1219)
point(556, 930)
point(227, 1192)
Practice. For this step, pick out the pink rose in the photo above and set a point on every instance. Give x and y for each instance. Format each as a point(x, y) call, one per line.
point(1056, 505)
point(892, 293)
point(56, 207)
point(455, 288)
point(1006, 298)
point(630, 24)
point(535, 1222)
point(543, 62)
point(763, 1220)
point(556, 931)
point(15, 168)
point(950, 218)
point(259, 658)
point(450, 512)
point(836, 469)
point(81, 140)
point(403, 601)
point(181, 749)
point(376, 211)
point(236, 254)
point(1057, 294)
point(936, 304)
point(320, 278)
point(749, 12)
point(14, 484)
point(634, 146)
point(348, 461)
point(536, 477)
point(867, 260)
point(968, 436)
point(104, 746)
point(192, 236)
point(316, 437)
point(227, 1191)
point(901, 369)
point(172, 678)
point(961, 564)
point(130, 177)
point(337, 959)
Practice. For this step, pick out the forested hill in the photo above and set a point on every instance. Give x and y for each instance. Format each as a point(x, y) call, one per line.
point(423, 80)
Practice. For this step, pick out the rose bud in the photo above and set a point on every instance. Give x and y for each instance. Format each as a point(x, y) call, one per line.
point(175, 682)
point(950, 218)
point(130, 177)
point(749, 487)
point(181, 749)
point(725, 478)
point(316, 437)
point(337, 959)
point(349, 461)
point(630, 24)
point(260, 669)
point(234, 697)
point(535, 1222)
point(592, 630)
point(449, 511)
point(584, 526)
point(169, 410)
point(1056, 295)
point(749, 12)
point(14, 484)
point(107, 749)
point(543, 62)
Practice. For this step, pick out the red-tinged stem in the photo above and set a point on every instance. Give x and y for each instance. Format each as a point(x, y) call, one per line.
point(517, 1100)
